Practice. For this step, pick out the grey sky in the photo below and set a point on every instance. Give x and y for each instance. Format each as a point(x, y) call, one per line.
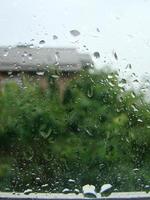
point(124, 27)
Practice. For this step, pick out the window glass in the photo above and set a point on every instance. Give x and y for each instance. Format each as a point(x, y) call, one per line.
point(74, 96)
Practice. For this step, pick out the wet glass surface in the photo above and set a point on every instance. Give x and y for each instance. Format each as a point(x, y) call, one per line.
point(74, 97)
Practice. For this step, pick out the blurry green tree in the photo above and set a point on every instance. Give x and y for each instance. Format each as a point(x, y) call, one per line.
point(98, 134)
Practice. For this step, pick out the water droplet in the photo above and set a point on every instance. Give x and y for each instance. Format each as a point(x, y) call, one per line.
point(31, 45)
point(40, 73)
point(76, 191)
point(29, 154)
point(75, 33)
point(25, 54)
point(7, 189)
point(71, 181)
point(89, 191)
point(30, 56)
point(9, 47)
point(6, 53)
point(90, 92)
point(42, 42)
point(57, 63)
point(37, 179)
point(111, 84)
point(133, 95)
point(129, 66)
point(98, 30)
point(17, 67)
point(96, 54)
point(135, 81)
point(28, 191)
point(55, 37)
point(66, 191)
point(134, 108)
point(55, 76)
point(117, 17)
point(88, 132)
point(106, 189)
point(115, 55)
point(110, 76)
point(140, 120)
point(45, 134)
point(124, 81)
point(147, 188)
point(44, 185)
point(9, 73)
point(135, 169)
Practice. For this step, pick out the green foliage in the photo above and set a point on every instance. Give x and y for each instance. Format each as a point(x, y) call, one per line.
point(98, 134)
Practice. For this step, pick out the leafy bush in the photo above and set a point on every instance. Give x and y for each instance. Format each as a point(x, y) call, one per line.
point(98, 134)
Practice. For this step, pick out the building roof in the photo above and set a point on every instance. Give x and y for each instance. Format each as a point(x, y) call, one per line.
point(25, 58)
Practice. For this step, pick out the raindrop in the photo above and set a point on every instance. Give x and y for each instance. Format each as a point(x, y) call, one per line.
point(42, 42)
point(90, 92)
point(25, 54)
point(133, 95)
point(76, 191)
point(44, 185)
point(106, 189)
point(57, 63)
point(89, 191)
point(31, 45)
point(134, 108)
point(17, 67)
point(111, 84)
point(40, 73)
point(9, 47)
point(6, 54)
point(57, 54)
point(37, 179)
point(66, 191)
point(135, 81)
point(110, 76)
point(147, 188)
point(135, 169)
point(139, 180)
point(75, 33)
point(44, 134)
point(28, 191)
point(116, 190)
point(7, 189)
point(140, 120)
point(117, 17)
point(55, 76)
point(88, 132)
point(98, 30)
point(124, 81)
point(55, 37)
point(96, 54)
point(71, 181)
point(30, 56)
point(29, 154)
point(129, 66)
point(130, 36)
point(115, 55)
